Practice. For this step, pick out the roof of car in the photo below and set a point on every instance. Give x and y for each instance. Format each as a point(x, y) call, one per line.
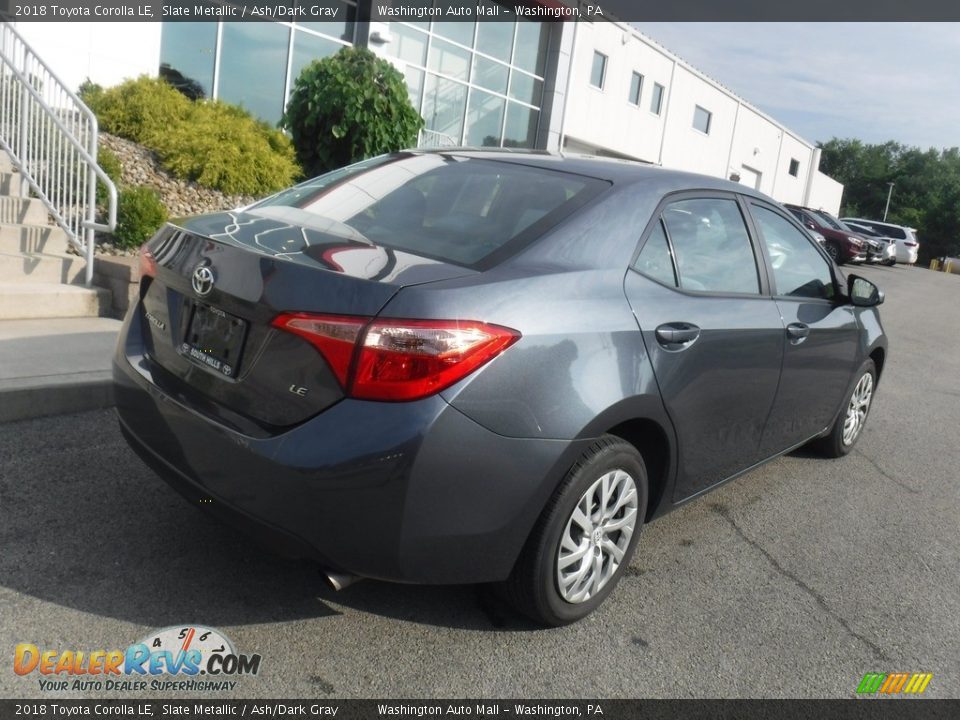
point(613, 170)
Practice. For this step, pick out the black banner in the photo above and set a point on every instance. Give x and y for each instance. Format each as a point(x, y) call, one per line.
point(488, 709)
point(471, 10)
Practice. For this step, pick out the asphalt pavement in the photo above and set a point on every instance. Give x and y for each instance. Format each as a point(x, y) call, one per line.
point(792, 581)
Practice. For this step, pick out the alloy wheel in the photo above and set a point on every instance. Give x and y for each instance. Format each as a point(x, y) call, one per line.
point(857, 409)
point(596, 536)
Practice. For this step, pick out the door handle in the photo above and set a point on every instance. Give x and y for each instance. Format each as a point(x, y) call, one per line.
point(677, 333)
point(797, 331)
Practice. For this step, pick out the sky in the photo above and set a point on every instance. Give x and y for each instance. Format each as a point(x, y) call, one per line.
point(872, 81)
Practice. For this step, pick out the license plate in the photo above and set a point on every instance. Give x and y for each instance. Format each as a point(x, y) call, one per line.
point(215, 339)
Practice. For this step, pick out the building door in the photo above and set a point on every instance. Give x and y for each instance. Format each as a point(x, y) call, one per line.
point(750, 177)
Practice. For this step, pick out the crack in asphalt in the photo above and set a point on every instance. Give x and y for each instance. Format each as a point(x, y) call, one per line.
point(885, 474)
point(724, 512)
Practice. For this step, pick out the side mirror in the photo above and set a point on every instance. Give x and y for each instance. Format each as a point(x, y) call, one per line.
point(811, 226)
point(862, 292)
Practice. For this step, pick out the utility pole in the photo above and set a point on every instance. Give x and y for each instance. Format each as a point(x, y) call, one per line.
point(887, 208)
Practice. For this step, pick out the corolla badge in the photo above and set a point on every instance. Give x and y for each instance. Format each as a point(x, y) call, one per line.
point(202, 280)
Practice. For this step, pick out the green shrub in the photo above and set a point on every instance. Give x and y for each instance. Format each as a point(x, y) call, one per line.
point(223, 147)
point(213, 143)
point(139, 110)
point(348, 107)
point(90, 93)
point(139, 215)
point(110, 164)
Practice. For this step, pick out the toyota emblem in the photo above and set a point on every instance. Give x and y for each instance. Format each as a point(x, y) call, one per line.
point(202, 281)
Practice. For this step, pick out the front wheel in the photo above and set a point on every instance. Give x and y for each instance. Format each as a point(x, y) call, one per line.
point(834, 252)
point(849, 424)
point(584, 540)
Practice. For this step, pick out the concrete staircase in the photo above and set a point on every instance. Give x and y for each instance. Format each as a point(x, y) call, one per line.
point(38, 277)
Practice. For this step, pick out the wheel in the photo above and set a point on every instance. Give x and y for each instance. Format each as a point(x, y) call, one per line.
point(583, 541)
point(849, 423)
point(834, 252)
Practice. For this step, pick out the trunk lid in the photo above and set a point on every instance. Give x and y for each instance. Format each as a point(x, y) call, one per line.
point(218, 282)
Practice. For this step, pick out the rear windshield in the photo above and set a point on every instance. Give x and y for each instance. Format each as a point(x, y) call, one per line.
point(468, 211)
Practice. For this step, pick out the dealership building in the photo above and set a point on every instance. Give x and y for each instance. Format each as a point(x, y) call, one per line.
point(598, 87)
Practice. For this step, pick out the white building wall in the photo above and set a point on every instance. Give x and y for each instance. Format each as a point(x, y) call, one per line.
point(105, 52)
point(606, 118)
point(791, 189)
point(825, 194)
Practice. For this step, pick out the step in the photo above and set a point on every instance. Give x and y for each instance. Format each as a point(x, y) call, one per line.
point(6, 165)
point(55, 366)
point(32, 238)
point(25, 301)
point(21, 267)
point(23, 211)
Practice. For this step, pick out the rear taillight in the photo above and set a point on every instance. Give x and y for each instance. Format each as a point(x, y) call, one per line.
point(910, 244)
point(399, 359)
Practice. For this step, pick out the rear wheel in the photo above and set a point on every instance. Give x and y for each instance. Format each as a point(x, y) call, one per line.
point(850, 422)
point(585, 537)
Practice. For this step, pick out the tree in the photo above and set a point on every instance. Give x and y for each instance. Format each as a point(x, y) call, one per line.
point(349, 107)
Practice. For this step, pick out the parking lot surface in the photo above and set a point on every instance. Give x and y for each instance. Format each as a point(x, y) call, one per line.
point(792, 581)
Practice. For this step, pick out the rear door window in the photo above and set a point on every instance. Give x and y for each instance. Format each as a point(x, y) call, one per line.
point(711, 246)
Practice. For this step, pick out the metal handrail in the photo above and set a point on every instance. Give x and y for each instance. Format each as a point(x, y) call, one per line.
point(51, 137)
point(435, 139)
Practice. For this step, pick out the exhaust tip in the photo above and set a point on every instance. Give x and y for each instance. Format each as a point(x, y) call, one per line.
point(339, 581)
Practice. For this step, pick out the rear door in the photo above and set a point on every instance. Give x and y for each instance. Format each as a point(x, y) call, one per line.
point(821, 331)
point(713, 333)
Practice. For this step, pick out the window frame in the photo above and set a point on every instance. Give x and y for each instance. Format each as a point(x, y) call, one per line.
point(709, 119)
point(603, 70)
point(630, 99)
point(663, 92)
point(759, 256)
point(761, 243)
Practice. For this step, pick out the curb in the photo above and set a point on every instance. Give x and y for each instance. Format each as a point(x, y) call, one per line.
point(33, 398)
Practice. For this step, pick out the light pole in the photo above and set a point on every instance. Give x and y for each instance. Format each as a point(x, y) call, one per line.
point(887, 208)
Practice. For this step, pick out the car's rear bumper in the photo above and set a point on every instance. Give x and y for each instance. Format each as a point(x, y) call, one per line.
point(411, 492)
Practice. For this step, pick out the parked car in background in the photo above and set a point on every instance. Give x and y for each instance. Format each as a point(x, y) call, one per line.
point(908, 246)
point(842, 245)
point(889, 250)
point(488, 367)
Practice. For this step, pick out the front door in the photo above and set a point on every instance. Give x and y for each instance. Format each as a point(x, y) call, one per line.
point(821, 333)
point(714, 336)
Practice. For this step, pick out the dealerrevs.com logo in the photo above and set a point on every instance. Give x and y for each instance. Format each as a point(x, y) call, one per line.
point(191, 657)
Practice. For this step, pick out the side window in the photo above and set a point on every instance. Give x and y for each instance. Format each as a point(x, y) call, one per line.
point(654, 260)
point(798, 267)
point(711, 246)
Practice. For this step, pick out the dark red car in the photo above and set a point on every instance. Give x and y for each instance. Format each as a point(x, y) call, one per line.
point(842, 245)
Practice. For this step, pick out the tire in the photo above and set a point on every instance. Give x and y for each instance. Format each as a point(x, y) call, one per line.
point(833, 250)
point(838, 442)
point(534, 586)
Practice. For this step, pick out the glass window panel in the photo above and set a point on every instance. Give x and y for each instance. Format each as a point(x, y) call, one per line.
point(414, 80)
point(444, 104)
point(598, 71)
point(794, 167)
point(342, 27)
point(253, 63)
point(798, 267)
point(449, 59)
point(306, 49)
point(711, 246)
point(656, 100)
point(409, 44)
point(526, 88)
point(636, 88)
point(484, 119)
point(701, 119)
point(530, 52)
point(461, 32)
point(521, 128)
point(490, 74)
point(655, 260)
point(187, 52)
point(495, 38)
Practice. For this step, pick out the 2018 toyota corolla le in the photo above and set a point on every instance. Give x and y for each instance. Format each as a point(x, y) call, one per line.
point(459, 367)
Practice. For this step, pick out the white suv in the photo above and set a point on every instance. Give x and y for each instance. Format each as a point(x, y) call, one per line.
point(906, 237)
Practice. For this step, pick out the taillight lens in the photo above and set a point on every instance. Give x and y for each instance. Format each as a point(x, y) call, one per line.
point(399, 359)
